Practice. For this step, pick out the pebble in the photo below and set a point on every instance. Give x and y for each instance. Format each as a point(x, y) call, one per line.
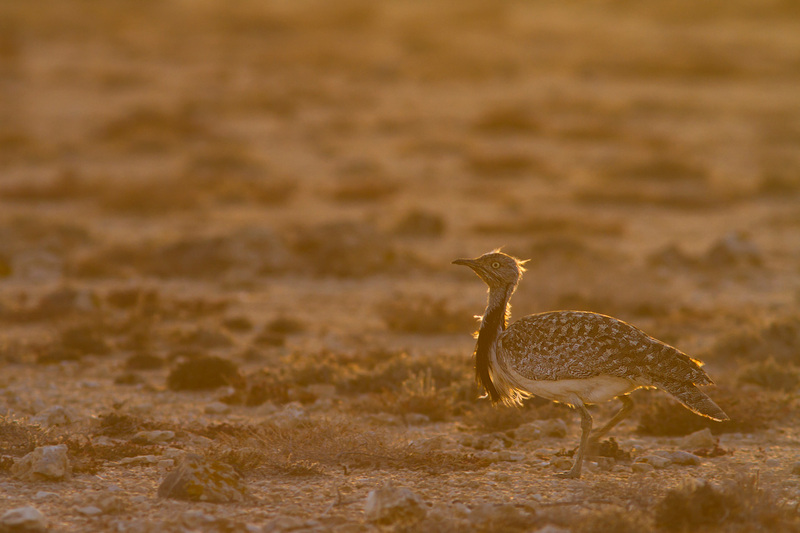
point(656, 461)
point(544, 453)
point(796, 469)
point(153, 437)
point(217, 408)
point(390, 505)
point(514, 457)
point(44, 495)
point(197, 479)
point(44, 463)
point(417, 419)
point(27, 519)
point(698, 440)
point(642, 467)
point(90, 510)
point(528, 432)
point(56, 415)
point(561, 462)
point(680, 457)
point(139, 460)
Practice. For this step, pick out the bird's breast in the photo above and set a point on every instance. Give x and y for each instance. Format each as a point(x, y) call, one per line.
point(595, 389)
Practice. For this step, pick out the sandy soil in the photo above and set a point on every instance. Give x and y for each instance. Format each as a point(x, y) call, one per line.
point(284, 184)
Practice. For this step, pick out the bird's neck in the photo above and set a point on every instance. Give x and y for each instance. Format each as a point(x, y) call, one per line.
point(493, 323)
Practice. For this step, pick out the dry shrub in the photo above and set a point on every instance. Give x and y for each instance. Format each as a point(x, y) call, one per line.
point(146, 197)
point(613, 519)
point(739, 505)
point(18, 438)
point(770, 375)
point(152, 129)
point(343, 249)
point(259, 387)
point(486, 418)
point(117, 425)
point(238, 324)
point(548, 225)
point(507, 120)
point(419, 223)
point(364, 189)
point(223, 173)
point(144, 361)
point(86, 339)
point(779, 339)
point(208, 372)
point(274, 332)
point(243, 254)
point(423, 314)
point(390, 371)
point(504, 165)
point(310, 446)
point(663, 416)
point(65, 186)
point(420, 395)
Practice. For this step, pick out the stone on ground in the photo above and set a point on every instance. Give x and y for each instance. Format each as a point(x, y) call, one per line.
point(198, 479)
point(390, 505)
point(23, 519)
point(45, 463)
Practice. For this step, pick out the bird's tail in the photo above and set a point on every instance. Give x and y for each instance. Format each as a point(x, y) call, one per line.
point(694, 399)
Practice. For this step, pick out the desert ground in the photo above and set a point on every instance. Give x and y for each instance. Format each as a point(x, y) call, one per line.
point(226, 234)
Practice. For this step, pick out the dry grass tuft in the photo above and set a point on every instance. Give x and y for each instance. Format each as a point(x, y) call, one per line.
point(343, 249)
point(423, 314)
point(313, 446)
point(739, 505)
point(17, 438)
point(770, 375)
point(663, 416)
point(779, 339)
point(207, 372)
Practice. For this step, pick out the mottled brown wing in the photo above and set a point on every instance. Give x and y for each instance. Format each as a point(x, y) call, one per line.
point(578, 344)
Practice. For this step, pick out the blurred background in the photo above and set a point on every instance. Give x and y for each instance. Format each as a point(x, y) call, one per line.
point(246, 211)
point(229, 142)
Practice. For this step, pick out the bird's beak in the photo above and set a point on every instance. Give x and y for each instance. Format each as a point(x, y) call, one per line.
point(472, 263)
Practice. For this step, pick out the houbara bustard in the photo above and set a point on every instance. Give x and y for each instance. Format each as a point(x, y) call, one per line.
point(574, 357)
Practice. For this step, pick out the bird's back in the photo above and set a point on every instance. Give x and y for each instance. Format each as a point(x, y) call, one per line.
point(562, 345)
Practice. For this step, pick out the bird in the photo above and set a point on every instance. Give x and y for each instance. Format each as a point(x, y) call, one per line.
point(574, 357)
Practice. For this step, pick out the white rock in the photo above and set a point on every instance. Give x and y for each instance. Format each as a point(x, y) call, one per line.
point(139, 460)
point(561, 462)
point(642, 467)
point(56, 415)
point(44, 495)
point(550, 528)
point(90, 510)
point(217, 408)
point(528, 432)
point(698, 440)
point(680, 457)
point(544, 453)
point(27, 519)
point(416, 419)
point(44, 463)
point(656, 461)
point(391, 504)
point(553, 427)
point(514, 457)
point(154, 437)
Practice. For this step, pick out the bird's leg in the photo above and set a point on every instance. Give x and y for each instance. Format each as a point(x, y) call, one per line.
point(627, 407)
point(586, 428)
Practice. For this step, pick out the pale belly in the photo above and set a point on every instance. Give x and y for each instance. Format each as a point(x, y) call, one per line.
point(576, 391)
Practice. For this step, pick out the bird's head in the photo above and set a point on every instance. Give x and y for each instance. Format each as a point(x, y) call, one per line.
point(496, 269)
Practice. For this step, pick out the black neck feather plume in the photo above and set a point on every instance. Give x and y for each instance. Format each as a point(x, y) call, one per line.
point(492, 323)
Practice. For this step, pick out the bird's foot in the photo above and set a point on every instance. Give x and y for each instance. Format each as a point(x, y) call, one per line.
point(572, 473)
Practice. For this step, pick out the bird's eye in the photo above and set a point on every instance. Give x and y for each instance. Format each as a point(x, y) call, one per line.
point(495, 265)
